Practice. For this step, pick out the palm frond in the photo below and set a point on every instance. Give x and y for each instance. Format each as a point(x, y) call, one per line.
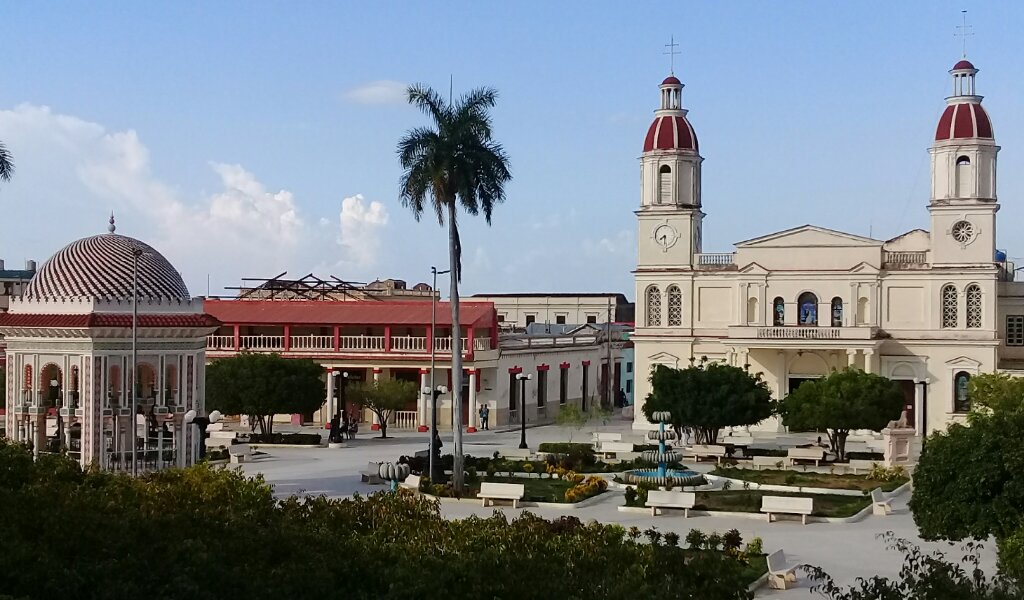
point(430, 102)
point(6, 163)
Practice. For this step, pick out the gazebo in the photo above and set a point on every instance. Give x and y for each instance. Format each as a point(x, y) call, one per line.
point(70, 342)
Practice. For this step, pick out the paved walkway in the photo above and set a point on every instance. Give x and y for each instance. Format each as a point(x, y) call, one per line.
point(845, 550)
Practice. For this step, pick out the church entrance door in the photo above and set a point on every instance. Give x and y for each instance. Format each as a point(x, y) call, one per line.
point(907, 386)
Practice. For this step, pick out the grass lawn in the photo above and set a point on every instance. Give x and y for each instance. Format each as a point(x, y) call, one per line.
point(537, 490)
point(825, 505)
point(758, 566)
point(806, 479)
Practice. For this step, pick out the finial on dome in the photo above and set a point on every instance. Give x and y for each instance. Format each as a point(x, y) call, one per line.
point(111, 228)
point(672, 52)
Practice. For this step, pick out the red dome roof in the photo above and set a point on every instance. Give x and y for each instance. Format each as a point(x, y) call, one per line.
point(670, 133)
point(964, 64)
point(965, 120)
point(671, 80)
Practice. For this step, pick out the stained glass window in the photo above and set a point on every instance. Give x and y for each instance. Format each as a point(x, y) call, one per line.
point(807, 307)
point(653, 306)
point(778, 312)
point(961, 394)
point(675, 306)
point(973, 306)
point(949, 307)
point(837, 312)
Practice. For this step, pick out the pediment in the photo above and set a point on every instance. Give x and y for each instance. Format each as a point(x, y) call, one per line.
point(754, 269)
point(664, 358)
point(809, 236)
point(864, 267)
point(964, 362)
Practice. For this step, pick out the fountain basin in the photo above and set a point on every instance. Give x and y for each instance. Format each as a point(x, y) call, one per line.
point(673, 477)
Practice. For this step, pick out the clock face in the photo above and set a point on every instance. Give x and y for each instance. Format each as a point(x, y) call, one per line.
point(665, 236)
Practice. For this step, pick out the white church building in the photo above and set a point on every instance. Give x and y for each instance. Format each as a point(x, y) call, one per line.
point(929, 309)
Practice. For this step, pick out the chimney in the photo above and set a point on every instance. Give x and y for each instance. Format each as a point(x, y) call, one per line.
point(30, 265)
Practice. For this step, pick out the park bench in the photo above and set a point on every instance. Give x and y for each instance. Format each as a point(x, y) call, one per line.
point(856, 465)
point(371, 474)
point(780, 573)
point(658, 499)
point(412, 482)
point(880, 505)
point(607, 437)
point(501, 491)
point(787, 505)
point(699, 451)
point(220, 438)
point(516, 454)
point(772, 462)
point(813, 453)
point(741, 440)
point(239, 453)
point(614, 448)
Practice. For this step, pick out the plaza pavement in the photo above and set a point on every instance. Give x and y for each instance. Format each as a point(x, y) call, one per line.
point(845, 550)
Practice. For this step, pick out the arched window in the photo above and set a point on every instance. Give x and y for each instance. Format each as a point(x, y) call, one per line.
point(963, 177)
point(961, 393)
point(752, 310)
point(665, 185)
point(949, 307)
point(807, 309)
point(973, 306)
point(862, 311)
point(837, 312)
point(778, 311)
point(653, 306)
point(675, 306)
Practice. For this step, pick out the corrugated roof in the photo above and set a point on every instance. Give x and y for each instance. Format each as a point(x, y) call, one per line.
point(352, 312)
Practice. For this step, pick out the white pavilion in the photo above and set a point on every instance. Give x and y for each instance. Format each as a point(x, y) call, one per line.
point(69, 354)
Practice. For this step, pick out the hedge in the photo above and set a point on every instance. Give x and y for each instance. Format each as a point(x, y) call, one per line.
point(298, 439)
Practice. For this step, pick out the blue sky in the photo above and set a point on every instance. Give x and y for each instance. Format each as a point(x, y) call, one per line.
point(246, 139)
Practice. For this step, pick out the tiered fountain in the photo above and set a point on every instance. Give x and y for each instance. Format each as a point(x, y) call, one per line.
point(664, 456)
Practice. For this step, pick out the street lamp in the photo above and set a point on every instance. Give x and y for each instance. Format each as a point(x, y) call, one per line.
point(202, 422)
point(433, 326)
point(433, 393)
point(335, 434)
point(523, 378)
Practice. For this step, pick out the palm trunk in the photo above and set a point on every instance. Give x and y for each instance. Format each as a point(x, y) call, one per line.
point(456, 350)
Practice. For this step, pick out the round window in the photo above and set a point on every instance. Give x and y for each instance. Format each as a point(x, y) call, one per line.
point(962, 231)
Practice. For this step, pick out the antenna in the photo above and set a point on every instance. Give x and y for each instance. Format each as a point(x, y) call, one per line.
point(963, 32)
point(672, 52)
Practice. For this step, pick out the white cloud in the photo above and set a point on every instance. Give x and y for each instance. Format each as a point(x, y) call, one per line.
point(622, 243)
point(378, 92)
point(361, 226)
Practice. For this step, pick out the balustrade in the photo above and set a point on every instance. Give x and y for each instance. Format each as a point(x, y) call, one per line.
point(799, 333)
point(405, 419)
point(312, 342)
point(717, 259)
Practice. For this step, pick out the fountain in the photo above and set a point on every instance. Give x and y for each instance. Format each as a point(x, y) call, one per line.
point(663, 476)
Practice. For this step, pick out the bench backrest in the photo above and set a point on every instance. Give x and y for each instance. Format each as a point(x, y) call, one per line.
point(413, 481)
point(774, 461)
point(787, 504)
point(709, 450)
point(616, 447)
point(488, 488)
point(608, 437)
point(662, 498)
point(239, 449)
point(372, 467)
point(876, 495)
point(520, 454)
point(806, 453)
point(777, 561)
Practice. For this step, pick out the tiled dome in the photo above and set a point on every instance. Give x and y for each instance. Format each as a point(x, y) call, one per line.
point(670, 133)
point(100, 267)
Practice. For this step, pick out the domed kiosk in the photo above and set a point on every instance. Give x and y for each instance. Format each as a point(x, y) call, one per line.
point(70, 341)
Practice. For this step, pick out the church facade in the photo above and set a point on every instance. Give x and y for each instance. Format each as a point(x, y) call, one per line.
point(929, 309)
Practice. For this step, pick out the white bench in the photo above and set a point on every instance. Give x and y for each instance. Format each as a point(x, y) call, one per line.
point(815, 454)
point(880, 505)
point(607, 437)
point(658, 499)
point(772, 462)
point(739, 440)
point(615, 448)
point(501, 491)
point(412, 482)
point(860, 465)
point(699, 451)
point(239, 453)
point(780, 573)
point(787, 505)
point(517, 454)
point(371, 474)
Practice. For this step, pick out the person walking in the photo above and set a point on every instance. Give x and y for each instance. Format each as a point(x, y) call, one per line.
point(485, 413)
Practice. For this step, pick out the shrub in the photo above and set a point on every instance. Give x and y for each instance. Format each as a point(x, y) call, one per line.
point(671, 538)
point(564, 448)
point(876, 456)
point(299, 439)
point(714, 541)
point(528, 467)
point(755, 547)
point(882, 473)
point(584, 489)
point(696, 539)
point(491, 469)
point(731, 542)
point(630, 495)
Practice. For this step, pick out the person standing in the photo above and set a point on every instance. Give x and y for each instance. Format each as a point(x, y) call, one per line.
point(485, 413)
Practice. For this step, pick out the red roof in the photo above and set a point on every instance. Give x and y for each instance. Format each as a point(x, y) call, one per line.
point(341, 312)
point(670, 133)
point(964, 120)
point(964, 64)
point(84, 321)
point(671, 80)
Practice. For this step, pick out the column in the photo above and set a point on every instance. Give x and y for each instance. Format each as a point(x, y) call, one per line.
point(473, 417)
point(851, 358)
point(869, 362)
point(919, 424)
point(237, 340)
point(424, 407)
point(374, 420)
point(744, 357)
point(330, 396)
point(782, 375)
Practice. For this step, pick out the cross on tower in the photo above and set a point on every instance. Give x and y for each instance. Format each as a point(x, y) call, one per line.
point(672, 52)
point(964, 31)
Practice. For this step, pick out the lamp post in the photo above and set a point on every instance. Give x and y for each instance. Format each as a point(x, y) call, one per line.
point(433, 389)
point(432, 463)
point(523, 378)
point(202, 422)
point(334, 435)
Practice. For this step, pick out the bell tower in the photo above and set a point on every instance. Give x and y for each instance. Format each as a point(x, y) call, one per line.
point(669, 217)
point(963, 201)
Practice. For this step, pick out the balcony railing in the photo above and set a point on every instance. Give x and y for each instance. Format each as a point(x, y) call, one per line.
point(312, 342)
point(717, 259)
point(801, 333)
point(220, 342)
point(346, 343)
point(409, 344)
point(405, 419)
point(262, 342)
point(362, 343)
point(904, 259)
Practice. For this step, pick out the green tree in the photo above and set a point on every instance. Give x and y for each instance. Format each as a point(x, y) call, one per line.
point(708, 396)
point(995, 392)
point(573, 417)
point(6, 163)
point(264, 385)
point(845, 400)
point(383, 397)
point(455, 163)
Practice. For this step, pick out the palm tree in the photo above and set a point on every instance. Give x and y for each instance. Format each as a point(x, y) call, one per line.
point(6, 164)
point(455, 163)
